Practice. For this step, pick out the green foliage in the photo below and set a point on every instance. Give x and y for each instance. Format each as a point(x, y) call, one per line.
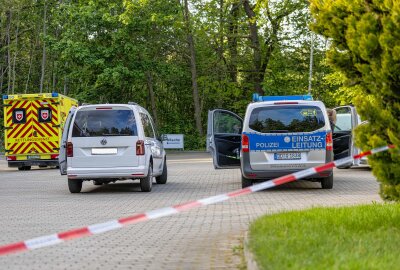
point(365, 48)
point(361, 237)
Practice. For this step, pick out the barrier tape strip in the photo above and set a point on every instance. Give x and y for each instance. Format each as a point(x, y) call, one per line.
point(58, 238)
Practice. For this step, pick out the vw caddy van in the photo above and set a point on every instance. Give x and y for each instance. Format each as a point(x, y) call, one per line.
point(110, 142)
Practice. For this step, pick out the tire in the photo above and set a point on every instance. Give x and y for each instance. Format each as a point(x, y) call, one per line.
point(75, 186)
point(24, 168)
point(327, 182)
point(246, 182)
point(147, 183)
point(162, 179)
point(347, 167)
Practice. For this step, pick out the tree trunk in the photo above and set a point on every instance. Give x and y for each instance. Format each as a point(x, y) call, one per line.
point(9, 16)
point(15, 58)
point(150, 87)
point(44, 48)
point(232, 41)
point(193, 69)
point(258, 75)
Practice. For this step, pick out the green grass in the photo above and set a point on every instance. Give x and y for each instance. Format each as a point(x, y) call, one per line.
point(361, 237)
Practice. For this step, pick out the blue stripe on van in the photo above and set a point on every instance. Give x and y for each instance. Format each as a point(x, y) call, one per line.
point(287, 141)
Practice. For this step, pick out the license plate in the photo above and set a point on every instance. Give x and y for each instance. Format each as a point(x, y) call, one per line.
point(33, 157)
point(287, 156)
point(104, 151)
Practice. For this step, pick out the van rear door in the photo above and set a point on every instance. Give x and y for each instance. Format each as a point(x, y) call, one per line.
point(62, 157)
point(343, 143)
point(224, 137)
point(104, 137)
point(287, 137)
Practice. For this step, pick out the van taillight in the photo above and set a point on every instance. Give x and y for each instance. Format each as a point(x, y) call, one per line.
point(12, 158)
point(245, 143)
point(70, 149)
point(140, 148)
point(329, 141)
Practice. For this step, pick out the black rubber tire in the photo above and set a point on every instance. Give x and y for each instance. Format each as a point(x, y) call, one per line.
point(162, 179)
point(75, 186)
point(327, 182)
point(24, 168)
point(147, 183)
point(246, 182)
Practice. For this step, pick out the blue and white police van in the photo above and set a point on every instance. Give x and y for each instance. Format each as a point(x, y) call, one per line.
point(279, 135)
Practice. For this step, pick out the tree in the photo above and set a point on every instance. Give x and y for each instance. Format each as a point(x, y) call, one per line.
point(365, 38)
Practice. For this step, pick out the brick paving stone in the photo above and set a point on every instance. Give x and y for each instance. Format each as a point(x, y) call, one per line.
point(37, 202)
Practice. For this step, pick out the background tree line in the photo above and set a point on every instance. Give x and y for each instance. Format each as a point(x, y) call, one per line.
point(177, 58)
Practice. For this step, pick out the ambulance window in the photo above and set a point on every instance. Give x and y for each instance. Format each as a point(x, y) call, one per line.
point(97, 123)
point(44, 115)
point(19, 116)
point(286, 119)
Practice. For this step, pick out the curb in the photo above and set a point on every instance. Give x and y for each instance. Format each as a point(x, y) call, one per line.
point(248, 255)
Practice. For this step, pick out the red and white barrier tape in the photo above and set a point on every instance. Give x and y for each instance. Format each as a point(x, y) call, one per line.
point(57, 238)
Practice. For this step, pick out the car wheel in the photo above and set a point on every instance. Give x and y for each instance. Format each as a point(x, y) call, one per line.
point(346, 167)
point(75, 186)
point(246, 182)
point(162, 179)
point(327, 182)
point(147, 182)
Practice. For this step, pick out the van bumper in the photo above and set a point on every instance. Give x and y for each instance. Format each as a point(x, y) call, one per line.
point(107, 173)
point(39, 162)
point(249, 173)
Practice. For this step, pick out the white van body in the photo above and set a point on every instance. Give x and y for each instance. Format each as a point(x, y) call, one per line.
point(110, 142)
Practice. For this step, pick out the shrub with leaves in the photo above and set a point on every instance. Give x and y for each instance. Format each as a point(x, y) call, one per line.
point(365, 47)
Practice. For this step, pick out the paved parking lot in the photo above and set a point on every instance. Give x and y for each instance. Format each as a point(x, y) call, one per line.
point(37, 202)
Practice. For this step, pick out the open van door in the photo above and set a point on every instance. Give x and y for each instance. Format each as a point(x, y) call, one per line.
point(62, 157)
point(343, 144)
point(224, 134)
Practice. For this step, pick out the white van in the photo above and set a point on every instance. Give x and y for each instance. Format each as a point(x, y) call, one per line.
point(110, 142)
point(279, 135)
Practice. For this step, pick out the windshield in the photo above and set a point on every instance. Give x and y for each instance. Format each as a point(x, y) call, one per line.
point(286, 119)
point(96, 123)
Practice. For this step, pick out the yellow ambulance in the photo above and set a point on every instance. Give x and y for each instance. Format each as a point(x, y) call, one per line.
point(33, 125)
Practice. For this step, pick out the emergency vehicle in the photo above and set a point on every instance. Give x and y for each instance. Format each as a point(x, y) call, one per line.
point(33, 126)
point(279, 135)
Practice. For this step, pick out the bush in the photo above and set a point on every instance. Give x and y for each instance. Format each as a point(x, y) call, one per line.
point(365, 38)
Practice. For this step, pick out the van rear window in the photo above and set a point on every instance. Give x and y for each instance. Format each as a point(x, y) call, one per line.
point(286, 119)
point(99, 123)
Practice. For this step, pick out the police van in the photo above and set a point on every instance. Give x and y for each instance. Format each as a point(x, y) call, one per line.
point(279, 135)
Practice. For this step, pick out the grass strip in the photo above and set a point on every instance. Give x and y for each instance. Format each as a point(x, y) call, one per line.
point(360, 237)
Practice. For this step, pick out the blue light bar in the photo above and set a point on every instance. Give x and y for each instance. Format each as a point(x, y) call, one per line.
point(54, 94)
point(5, 96)
point(257, 97)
